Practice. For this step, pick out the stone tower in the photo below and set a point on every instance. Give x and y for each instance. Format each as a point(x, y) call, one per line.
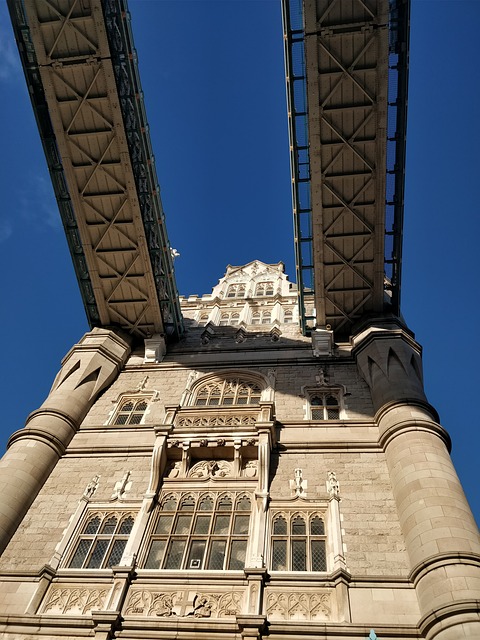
point(232, 466)
point(249, 482)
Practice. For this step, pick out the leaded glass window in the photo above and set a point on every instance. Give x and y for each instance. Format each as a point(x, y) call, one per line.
point(232, 391)
point(298, 543)
point(102, 541)
point(325, 406)
point(202, 532)
point(131, 411)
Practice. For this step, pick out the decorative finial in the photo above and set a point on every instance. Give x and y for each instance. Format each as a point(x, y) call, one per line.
point(333, 486)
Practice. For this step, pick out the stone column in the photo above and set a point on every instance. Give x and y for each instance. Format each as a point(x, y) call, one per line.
point(441, 536)
point(33, 452)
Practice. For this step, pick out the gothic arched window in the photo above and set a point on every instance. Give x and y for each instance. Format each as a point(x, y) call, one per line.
point(102, 541)
point(131, 411)
point(232, 391)
point(229, 318)
point(325, 406)
point(264, 289)
point(298, 543)
point(236, 291)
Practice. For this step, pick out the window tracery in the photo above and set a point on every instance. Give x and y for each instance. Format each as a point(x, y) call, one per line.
point(325, 405)
point(200, 531)
point(298, 542)
point(102, 540)
point(231, 391)
point(231, 318)
point(264, 289)
point(261, 317)
point(130, 411)
point(236, 291)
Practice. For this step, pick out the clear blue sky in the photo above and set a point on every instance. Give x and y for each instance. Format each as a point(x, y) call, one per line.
point(213, 78)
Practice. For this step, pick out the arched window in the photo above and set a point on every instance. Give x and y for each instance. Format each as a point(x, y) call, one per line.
point(131, 411)
point(202, 321)
point(264, 289)
point(236, 291)
point(205, 532)
point(231, 318)
point(298, 543)
point(325, 406)
point(232, 391)
point(288, 316)
point(261, 317)
point(102, 541)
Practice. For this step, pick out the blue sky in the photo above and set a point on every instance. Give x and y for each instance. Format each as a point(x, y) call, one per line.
point(213, 78)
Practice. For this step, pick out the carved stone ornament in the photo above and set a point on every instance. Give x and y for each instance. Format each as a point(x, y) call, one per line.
point(216, 421)
point(91, 487)
point(250, 469)
point(333, 486)
point(298, 485)
point(288, 605)
point(122, 487)
point(211, 469)
point(184, 604)
point(74, 600)
point(173, 469)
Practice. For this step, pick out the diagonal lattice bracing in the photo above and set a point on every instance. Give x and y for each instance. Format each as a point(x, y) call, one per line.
point(338, 58)
point(79, 56)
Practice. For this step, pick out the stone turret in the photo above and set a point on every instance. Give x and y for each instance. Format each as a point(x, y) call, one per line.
point(440, 532)
point(88, 368)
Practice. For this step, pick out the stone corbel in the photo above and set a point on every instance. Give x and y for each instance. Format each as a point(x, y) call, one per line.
point(170, 414)
point(158, 463)
point(251, 626)
point(155, 348)
point(105, 624)
point(322, 342)
point(266, 411)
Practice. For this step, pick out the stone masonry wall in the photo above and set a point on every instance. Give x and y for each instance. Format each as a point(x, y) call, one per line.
point(35, 540)
point(374, 542)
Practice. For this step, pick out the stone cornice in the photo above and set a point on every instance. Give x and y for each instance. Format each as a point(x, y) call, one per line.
point(410, 402)
point(447, 616)
point(41, 435)
point(441, 560)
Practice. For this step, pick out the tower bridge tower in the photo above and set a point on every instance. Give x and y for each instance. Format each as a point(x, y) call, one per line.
point(259, 461)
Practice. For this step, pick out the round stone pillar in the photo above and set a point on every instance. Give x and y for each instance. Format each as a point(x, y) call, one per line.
point(441, 536)
point(33, 452)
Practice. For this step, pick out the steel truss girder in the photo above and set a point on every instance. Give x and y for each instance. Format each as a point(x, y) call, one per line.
point(81, 57)
point(339, 92)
